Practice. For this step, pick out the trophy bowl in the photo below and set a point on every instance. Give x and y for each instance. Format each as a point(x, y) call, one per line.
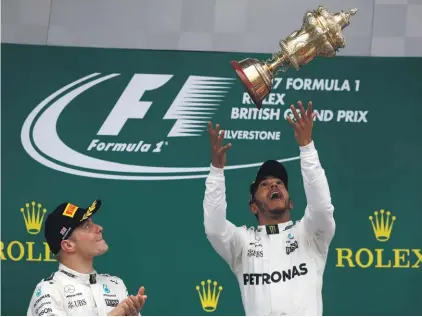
point(320, 35)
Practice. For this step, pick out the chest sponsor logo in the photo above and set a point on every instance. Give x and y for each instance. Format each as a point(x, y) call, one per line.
point(69, 289)
point(291, 247)
point(76, 303)
point(291, 244)
point(255, 253)
point(111, 302)
point(74, 295)
point(255, 248)
point(274, 277)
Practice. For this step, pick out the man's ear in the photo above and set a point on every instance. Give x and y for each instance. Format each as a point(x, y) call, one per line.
point(68, 246)
point(254, 208)
point(290, 204)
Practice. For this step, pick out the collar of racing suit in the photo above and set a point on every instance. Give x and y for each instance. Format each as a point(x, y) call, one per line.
point(281, 226)
point(79, 277)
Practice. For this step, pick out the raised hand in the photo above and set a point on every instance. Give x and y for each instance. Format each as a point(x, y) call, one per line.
point(218, 151)
point(303, 123)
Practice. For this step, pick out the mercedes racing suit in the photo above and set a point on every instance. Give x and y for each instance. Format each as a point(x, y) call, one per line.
point(67, 292)
point(279, 268)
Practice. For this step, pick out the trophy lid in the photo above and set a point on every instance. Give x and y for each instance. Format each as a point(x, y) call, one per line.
point(343, 18)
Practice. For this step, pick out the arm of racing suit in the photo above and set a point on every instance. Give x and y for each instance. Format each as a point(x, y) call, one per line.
point(318, 219)
point(46, 301)
point(224, 236)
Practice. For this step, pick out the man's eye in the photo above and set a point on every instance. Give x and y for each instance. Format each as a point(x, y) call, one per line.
point(280, 182)
point(264, 184)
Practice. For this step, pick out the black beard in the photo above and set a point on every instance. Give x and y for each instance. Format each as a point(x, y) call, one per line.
point(275, 213)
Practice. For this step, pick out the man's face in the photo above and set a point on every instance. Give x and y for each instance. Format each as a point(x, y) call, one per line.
point(272, 196)
point(88, 239)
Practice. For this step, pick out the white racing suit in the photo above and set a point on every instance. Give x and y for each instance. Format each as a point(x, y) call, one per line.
point(279, 268)
point(68, 293)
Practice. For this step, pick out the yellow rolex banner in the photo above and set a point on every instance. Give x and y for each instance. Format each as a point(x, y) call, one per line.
point(129, 127)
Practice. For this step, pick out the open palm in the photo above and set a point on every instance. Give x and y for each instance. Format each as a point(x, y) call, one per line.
point(218, 151)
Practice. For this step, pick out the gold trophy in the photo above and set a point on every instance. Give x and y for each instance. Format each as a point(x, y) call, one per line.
point(320, 35)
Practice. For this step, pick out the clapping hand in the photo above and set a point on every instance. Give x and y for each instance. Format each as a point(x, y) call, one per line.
point(131, 306)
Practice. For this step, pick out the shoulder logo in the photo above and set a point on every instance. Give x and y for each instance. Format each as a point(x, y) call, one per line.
point(209, 298)
point(382, 225)
point(106, 289)
point(33, 214)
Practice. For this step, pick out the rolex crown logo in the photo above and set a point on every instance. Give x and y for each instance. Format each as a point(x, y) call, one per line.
point(382, 225)
point(209, 299)
point(33, 215)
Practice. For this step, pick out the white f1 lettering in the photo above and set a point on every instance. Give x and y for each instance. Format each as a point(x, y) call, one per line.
point(128, 106)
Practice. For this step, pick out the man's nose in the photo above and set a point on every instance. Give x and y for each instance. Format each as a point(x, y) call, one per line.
point(99, 229)
point(274, 185)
